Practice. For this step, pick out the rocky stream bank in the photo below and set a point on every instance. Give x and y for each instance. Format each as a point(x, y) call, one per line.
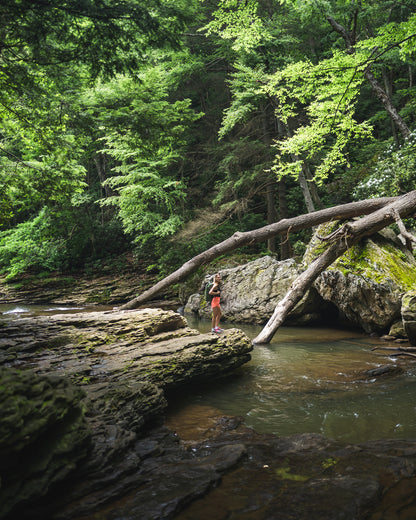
point(80, 396)
point(84, 396)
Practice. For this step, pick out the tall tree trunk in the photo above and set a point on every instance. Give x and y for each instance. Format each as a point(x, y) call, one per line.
point(389, 89)
point(271, 210)
point(312, 187)
point(267, 119)
point(100, 165)
point(310, 206)
point(387, 103)
point(285, 249)
point(283, 227)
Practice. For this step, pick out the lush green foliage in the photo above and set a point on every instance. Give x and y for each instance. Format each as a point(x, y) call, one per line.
point(147, 140)
point(393, 174)
point(166, 126)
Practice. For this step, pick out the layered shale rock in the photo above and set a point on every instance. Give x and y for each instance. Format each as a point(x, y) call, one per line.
point(80, 392)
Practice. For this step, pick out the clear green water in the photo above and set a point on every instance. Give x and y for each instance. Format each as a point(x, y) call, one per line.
point(312, 380)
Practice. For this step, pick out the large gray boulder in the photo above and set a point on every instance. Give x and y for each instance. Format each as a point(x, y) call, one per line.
point(250, 293)
point(367, 283)
point(408, 311)
point(363, 288)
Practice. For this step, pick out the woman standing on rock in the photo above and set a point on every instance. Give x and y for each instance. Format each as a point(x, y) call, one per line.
point(215, 292)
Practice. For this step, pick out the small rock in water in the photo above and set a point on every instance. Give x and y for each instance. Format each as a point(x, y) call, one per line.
point(384, 370)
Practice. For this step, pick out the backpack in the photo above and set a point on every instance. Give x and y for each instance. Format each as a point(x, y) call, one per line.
point(208, 287)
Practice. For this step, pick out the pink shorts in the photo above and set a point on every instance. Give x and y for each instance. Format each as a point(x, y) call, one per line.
point(215, 302)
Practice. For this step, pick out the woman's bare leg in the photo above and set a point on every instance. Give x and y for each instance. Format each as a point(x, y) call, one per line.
point(216, 316)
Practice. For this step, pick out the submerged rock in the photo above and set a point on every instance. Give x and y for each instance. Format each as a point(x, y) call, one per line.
point(265, 477)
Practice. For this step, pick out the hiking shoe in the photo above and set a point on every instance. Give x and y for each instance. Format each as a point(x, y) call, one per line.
point(217, 329)
point(213, 330)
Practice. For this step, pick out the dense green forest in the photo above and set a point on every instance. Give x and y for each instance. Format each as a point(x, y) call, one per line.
point(159, 127)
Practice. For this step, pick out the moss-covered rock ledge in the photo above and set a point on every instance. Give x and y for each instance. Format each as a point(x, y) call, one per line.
point(78, 393)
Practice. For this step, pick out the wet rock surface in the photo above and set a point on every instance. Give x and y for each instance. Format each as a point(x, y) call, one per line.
point(82, 439)
point(309, 477)
point(83, 390)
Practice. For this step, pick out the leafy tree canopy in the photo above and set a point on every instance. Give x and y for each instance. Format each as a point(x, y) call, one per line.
point(108, 36)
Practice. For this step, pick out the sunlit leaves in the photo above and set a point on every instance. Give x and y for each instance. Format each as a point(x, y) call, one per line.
point(33, 244)
point(238, 21)
point(316, 100)
point(327, 94)
point(247, 89)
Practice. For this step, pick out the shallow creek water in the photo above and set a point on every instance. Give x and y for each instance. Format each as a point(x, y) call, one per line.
point(307, 380)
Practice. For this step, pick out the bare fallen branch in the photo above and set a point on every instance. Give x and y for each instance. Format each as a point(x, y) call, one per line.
point(407, 237)
point(395, 354)
point(353, 233)
point(345, 211)
point(401, 349)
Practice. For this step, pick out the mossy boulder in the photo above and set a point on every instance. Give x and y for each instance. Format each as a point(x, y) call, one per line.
point(367, 283)
point(409, 315)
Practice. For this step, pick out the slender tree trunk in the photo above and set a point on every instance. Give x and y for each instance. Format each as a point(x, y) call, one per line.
point(389, 89)
point(312, 187)
point(285, 249)
point(267, 118)
point(387, 103)
point(345, 237)
point(271, 211)
point(310, 206)
point(100, 165)
point(283, 227)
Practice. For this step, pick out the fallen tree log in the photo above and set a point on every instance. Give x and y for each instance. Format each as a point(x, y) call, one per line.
point(284, 226)
point(395, 354)
point(345, 237)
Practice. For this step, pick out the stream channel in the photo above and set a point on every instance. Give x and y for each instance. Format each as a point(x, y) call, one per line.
point(307, 380)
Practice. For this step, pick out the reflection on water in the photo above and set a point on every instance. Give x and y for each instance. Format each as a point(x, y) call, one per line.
point(12, 310)
point(309, 380)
